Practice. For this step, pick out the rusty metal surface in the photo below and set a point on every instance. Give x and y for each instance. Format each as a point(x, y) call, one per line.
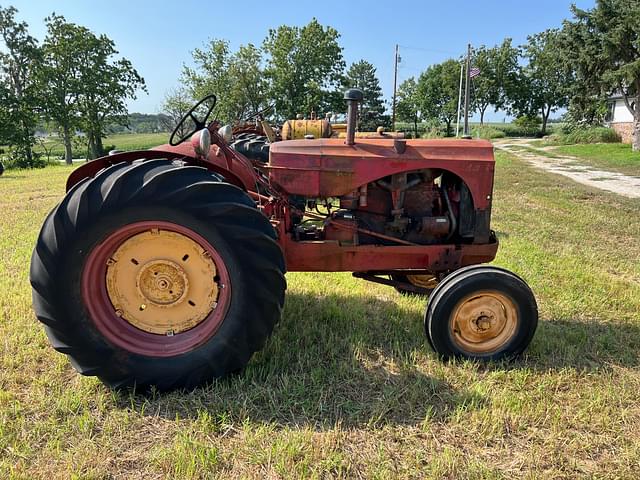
point(329, 168)
point(483, 322)
point(321, 256)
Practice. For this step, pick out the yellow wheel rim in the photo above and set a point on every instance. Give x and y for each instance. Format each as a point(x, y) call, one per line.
point(162, 282)
point(483, 322)
point(424, 281)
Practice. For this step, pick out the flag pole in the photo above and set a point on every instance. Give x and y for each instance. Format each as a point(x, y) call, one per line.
point(466, 95)
point(395, 84)
point(459, 100)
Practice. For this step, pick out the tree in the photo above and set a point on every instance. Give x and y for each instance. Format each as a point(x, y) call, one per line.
point(362, 75)
point(236, 79)
point(605, 46)
point(498, 75)
point(106, 86)
point(175, 106)
point(19, 95)
point(250, 85)
point(305, 68)
point(60, 76)
point(408, 105)
point(547, 78)
point(438, 92)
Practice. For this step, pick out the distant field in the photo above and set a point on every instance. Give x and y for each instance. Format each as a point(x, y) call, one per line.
point(608, 156)
point(347, 386)
point(508, 128)
point(126, 141)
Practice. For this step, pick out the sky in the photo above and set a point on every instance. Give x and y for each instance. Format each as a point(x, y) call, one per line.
point(159, 36)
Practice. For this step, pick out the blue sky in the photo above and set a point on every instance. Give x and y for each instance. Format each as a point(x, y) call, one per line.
point(158, 36)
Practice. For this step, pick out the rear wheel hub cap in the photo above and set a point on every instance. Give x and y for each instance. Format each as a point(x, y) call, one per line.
point(162, 282)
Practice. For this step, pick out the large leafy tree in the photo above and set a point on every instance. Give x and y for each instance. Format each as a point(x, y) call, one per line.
point(19, 94)
point(83, 86)
point(438, 92)
point(61, 75)
point(237, 79)
point(605, 46)
point(305, 68)
point(546, 79)
point(107, 84)
point(408, 105)
point(362, 75)
point(498, 76)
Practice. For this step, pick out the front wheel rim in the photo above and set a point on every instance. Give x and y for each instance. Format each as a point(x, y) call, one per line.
point(156, 288)
point(484, 322)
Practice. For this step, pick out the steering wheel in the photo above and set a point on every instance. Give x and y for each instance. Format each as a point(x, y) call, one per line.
point(260, 113)
point(190, 115)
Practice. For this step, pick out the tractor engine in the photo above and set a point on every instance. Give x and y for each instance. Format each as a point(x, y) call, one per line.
point(384, 191)
point(416, 207)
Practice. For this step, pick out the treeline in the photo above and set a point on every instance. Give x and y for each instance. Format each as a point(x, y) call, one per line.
point(594, 55)
point(296, 70)
point(72, 81)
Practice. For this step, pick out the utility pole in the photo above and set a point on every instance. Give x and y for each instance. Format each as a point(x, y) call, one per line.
point(459, 100)
point(395, 85)
point(466, 94)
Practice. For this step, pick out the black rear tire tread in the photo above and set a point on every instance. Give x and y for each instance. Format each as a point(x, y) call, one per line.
point(252, 146)
point(214, 208)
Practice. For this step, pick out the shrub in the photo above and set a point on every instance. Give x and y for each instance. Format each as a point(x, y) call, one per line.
point(528, 125)
point(487, 132)
point(585, 135)
point(17, 158)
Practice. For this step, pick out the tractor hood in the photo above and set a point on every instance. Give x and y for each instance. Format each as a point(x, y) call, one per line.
point(330, 168)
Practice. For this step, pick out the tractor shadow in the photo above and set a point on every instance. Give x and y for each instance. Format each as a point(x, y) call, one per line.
point(334, 359)
point(584, 345)
point(361, 361)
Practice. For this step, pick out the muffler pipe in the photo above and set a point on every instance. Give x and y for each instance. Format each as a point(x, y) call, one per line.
point(353, 96)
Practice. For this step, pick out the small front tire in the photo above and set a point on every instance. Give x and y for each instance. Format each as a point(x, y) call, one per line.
point(481, 312)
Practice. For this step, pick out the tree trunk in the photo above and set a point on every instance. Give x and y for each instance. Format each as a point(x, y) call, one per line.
point(545, 117)
point(635, 145)
point(415, 126)
point(66, 136)
point(448, 127)
point(94, 144)
point(27, 143)
point(99, 147)
point(482, 110)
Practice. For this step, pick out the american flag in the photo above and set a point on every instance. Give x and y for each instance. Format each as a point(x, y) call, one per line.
point(474, 72)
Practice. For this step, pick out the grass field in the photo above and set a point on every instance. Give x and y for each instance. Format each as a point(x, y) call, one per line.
point(609, 156)
point(125, 141)
point(347, 386)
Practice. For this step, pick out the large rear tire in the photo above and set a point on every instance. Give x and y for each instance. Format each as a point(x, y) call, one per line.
point(157, 274)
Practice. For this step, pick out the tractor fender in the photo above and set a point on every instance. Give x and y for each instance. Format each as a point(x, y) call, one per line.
point(91, 168)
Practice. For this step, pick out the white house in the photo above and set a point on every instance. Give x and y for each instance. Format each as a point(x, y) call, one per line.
point(620, 118)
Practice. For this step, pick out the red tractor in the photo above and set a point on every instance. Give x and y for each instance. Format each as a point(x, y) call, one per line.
point(166, 267)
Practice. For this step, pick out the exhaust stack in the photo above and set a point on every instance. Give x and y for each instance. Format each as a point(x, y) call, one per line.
point(352, 96)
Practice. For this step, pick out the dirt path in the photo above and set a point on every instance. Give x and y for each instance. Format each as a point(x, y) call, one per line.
point(572, 168)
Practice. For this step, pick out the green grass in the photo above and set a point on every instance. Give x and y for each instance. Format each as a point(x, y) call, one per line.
point(347, 386)
point(583, 135)
point(123, 141)
point(608, 156)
